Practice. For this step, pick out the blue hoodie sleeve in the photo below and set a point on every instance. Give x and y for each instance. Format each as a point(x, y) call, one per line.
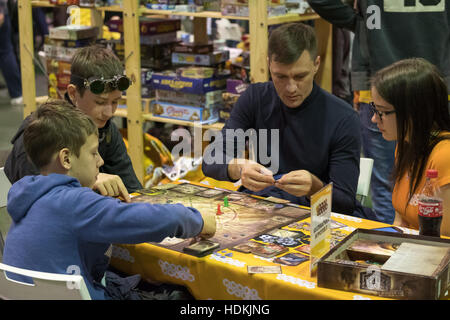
point(107, 220)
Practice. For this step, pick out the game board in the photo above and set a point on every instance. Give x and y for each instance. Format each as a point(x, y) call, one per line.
point(244, 218)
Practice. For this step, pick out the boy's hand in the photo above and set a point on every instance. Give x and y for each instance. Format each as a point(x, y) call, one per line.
point(209, 225)
point(111, 185)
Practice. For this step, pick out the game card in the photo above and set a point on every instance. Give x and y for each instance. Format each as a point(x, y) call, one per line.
point(263, 269)
point(283, 241)
point(281, 219)
point(165, 186)
point(291, 259)
point(267, 205)
point(286, 233)
point(304, 249)
point(300, 225)
point(306, 240)
point(336, 224)
point(170, 241)
point(293, 212)
point(269, 250)
point(201, 248)
point(210, 193)
point(187, 188)
point(149, 191)
point(246, 247)
point(235, 197)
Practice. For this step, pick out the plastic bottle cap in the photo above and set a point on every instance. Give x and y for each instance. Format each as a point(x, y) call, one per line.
point(432, 173)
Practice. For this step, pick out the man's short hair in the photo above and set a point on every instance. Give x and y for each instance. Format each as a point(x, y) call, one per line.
point(287, 42)
point(53, 126)
point(94, 61)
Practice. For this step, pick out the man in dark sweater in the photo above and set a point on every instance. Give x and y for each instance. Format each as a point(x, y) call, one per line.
point(95, 88)
point(316, 133)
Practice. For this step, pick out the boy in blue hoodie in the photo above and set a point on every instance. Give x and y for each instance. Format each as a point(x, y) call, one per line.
point(60, 223)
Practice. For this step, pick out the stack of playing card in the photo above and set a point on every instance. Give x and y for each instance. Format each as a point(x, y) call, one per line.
point(264, 269)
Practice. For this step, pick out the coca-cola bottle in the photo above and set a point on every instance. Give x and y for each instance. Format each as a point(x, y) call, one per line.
point(430, 206)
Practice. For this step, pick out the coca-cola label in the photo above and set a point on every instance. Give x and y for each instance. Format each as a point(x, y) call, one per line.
point(430, 209)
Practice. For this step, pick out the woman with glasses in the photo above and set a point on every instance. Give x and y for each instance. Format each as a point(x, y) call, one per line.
point(410, 104)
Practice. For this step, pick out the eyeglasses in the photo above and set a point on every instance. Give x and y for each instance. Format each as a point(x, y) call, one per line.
point(99, 85)
point(380, 114)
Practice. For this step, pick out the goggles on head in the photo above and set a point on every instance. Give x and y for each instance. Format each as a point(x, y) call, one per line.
point(100, 85)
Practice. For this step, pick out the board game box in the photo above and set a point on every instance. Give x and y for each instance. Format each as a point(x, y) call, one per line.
point(181, 112)
point(169, 80)
point(189, 99)
point(148, 26)
point(208, 59)
point(392, 265)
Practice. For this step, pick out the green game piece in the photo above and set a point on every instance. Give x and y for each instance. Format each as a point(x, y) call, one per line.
point(225, 202)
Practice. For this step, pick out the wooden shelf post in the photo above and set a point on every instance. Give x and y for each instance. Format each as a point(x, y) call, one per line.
point(134, 101)
point(259, 41)
point(324, 33)
point(26, 56)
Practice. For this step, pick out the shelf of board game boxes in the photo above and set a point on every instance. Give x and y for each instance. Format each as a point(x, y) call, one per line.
point(148, 116)
point(272, 20)
point(56, 3)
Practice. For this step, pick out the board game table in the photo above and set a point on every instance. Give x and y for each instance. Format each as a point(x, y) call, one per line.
point(223, 275)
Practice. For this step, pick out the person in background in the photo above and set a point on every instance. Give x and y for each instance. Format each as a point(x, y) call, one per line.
point(386, 32)
point(410, 104)
point(8, 62)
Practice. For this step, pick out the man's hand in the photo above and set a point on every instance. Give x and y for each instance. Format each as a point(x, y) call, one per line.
point(111, 185)
point(2, 18)
point(254, 176)
point(299, 183)
point(209, 225)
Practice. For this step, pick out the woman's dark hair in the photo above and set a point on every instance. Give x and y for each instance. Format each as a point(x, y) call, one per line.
point(419, 95)
point(287, 43)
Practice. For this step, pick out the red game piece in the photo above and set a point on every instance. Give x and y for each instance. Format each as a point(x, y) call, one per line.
point(218, 210)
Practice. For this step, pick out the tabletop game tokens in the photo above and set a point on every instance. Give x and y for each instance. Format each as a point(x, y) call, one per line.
point(218, 213)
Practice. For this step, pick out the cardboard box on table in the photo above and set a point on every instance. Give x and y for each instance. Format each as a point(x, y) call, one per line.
point(338, 270)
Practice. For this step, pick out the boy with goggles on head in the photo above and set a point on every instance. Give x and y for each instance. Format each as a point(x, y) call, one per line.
point(96, 85)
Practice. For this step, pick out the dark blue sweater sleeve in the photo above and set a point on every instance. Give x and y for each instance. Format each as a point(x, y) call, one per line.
point(344, 164)
point(107, 220)
point(218, 154)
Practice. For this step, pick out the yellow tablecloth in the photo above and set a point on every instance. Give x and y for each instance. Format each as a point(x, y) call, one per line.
point(222, 277)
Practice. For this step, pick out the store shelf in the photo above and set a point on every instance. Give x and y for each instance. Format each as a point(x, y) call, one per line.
point(214, 126)
point(202, 14)
point(123, 113)
point(134, 113)
point(292, 17)
point(46, 4)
